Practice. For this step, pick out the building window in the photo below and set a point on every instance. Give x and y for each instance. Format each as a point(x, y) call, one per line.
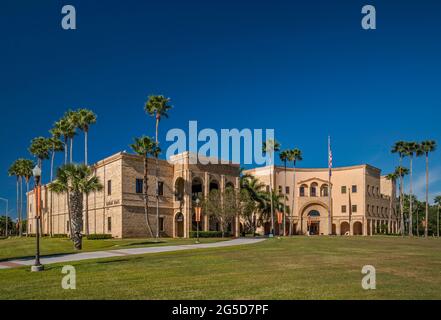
point(109, 187)
point(343, 209)
point(161, 224)
point(343, 189)
point(67, 226)
point(378, 192)
point(287, 190)
point(139, 185)
point(302, 191)
point(354, 189)
point(267, 189)
point(368, 191)
point(354, 208)
point(287, 210)
point(109, 224)
point(378, 210)
point(160, 188)
point(313, 191)
point(367, 208)
point(280, 189)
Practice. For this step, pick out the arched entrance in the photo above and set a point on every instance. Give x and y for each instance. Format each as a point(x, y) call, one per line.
point(314, 222)
point(344, 228)
point(179, 225)
point(358, 228)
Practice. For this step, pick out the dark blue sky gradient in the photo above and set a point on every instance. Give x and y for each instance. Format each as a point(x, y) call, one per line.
point(305, 68)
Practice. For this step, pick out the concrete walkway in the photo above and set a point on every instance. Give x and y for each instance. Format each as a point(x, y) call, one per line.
point(123, 252)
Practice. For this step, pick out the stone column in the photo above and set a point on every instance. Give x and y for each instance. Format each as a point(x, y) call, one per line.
point(237, 218)
point(364, 221)
point(337, 228)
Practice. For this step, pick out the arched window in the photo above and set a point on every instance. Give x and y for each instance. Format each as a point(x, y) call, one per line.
point(314, 213)
point(302, 190)
point(179, 189)
point(313, 191)
point(324, 190)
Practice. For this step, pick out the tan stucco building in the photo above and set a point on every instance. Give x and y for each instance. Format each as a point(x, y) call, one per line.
point(359, 199)
point(119, 208)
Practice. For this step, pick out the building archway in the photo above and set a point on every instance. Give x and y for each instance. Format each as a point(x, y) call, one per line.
point(313, 222)
point(196, 188)
point(179, 225)
point(314, 211)
point(179, 189)
point(357, 228)
point(214, 185)
point(344, 228)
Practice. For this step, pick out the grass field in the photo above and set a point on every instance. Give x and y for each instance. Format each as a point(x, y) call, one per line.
point(25, 247)
point(295, 268)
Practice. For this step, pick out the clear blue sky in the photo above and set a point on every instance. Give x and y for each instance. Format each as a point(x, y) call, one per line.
point(305, 68)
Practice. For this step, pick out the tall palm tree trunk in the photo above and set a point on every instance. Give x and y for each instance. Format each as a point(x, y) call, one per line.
point(426, 224)
point(51, 231)
point(69, 214)
point(71, 150)
point(271, 196)
point(86, 214)
point(65, 149)
point(146, 197)
point(86, 133)
point(284, 203)
point(156, 182)
point(20, 223)
point(401, 199)
point(76, 202)
point(410, 200)
point(18, 203)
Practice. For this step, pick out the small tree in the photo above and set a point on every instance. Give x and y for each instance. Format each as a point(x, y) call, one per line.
point(75, 180)
point(223, 207)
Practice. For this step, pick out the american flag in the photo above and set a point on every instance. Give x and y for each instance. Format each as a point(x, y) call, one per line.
point(329, 156)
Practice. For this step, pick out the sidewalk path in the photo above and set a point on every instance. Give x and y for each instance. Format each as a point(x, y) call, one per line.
point(123, 252)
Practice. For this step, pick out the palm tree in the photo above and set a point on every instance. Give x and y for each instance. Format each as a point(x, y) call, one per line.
point(145, 146)
point(401, 172)
point(270, 147)
point(294, 156)
point(270, 201)
point(15, 171)
point(56, 146)
point(283, 155)
point(157, 106)
point(400, 148)
point(85, 119)
point(410, 148)
point(62, 128)
point(76, 180)
point(256, 191)
point(438, 202)
point(71, 119)
point(392, 177)
point(425, 148)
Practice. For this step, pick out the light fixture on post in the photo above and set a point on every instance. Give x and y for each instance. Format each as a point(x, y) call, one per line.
point(37, 192)
point(197, 210)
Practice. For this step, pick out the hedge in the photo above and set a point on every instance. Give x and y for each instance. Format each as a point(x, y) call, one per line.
point(98, 236)
point(209, 234)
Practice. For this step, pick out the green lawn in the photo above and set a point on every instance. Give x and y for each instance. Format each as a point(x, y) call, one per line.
point(25, 247)
point(296, 268)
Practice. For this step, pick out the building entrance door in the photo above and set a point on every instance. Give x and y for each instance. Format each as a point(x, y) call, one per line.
point(314, 229)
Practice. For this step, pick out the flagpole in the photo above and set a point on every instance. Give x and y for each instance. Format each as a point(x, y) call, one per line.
point(329, 186)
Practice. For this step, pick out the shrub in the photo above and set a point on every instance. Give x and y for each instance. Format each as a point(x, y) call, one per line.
point(98, 236)
point(59, 235)
point(209, 234)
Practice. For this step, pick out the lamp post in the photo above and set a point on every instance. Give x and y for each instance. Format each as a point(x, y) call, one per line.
point(198, 210)
point(6, 216)
point(37, 191)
